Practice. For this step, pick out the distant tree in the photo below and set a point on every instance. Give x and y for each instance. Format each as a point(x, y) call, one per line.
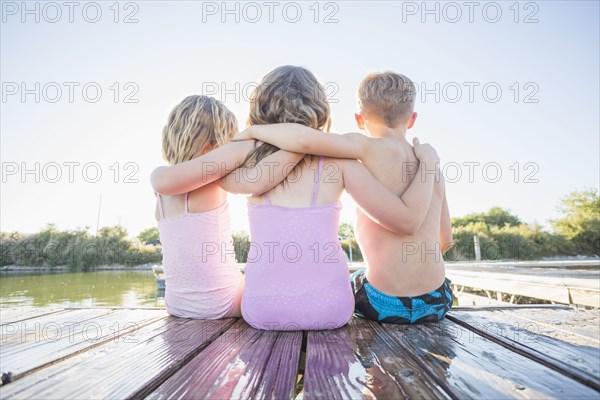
point(345, 230)
point(581, 220)
point(496, 216)
point(149, 235)
point(346, 233)
point(241, 245)
point(115, 232)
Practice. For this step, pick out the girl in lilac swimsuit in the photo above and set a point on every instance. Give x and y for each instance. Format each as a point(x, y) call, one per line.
point(297, 276)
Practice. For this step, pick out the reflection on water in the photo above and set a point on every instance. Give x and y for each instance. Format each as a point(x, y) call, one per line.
point(102, 288)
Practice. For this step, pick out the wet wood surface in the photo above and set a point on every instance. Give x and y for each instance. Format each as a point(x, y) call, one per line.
point(471, 366)
point(242, 363)
point(575, 352)
point(131, 366)
point(361, 360)
point(473, 354)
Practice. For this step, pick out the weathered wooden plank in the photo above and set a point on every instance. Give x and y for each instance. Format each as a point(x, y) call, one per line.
point(242, 363)
point(520, 265)
point(563, 322)
point(31, 344)
point(472, 366)
point(574, 354)
point(12, 315)
point(361, 360)
point(126, 368)
point(560, 289)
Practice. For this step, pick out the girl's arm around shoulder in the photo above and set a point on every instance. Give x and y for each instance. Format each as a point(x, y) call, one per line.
point(302, 139)
point(192, 174)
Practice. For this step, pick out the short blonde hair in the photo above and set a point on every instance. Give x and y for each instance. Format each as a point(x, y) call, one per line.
point(388, 97)
point(287, 94)
point(196, 126)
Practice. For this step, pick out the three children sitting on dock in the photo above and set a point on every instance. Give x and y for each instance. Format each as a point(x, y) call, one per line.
point(297, 275)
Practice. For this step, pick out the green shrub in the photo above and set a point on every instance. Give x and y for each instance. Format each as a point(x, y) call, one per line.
point(241, 245)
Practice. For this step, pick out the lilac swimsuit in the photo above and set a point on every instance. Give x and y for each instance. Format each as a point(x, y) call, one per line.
point(202, 278)
point(297, 276)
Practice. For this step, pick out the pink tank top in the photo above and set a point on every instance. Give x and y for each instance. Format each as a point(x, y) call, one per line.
point(201, 275)
point(297, 276)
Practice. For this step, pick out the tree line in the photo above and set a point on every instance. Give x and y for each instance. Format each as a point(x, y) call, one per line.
point(502, 236)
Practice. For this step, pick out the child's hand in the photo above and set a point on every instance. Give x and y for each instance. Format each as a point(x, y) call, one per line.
point(243, 135)
point(425, 152)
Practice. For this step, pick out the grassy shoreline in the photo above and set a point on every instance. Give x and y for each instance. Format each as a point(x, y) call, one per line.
point(66, 268)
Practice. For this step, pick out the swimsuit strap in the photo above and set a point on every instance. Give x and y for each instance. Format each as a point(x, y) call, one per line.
point(160, 208)
point(317, 182)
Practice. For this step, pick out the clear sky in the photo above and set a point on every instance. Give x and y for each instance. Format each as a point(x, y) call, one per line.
point(511, 86)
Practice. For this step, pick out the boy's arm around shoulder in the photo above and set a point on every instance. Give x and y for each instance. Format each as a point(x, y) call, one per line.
point(402, 215)
point(262, 177)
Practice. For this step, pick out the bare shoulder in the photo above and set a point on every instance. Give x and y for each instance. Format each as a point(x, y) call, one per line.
point(386, 150)
point(335, 168)
point(340, 166)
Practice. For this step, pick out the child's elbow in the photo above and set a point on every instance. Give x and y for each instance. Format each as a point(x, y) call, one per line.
point(158, 181)
point(415, 224)
point(413, 227)
point(259, 190)
point(304, 144)
point(408, 227)
point(449, 243)
point(446, 247)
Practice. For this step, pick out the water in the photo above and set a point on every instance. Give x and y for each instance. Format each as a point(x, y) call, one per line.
point(82, 289)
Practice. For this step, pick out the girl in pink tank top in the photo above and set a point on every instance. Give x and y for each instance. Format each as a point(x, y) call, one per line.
point(202, 280)
point(201, 275)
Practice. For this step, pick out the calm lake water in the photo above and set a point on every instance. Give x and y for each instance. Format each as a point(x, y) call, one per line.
point(102, 288)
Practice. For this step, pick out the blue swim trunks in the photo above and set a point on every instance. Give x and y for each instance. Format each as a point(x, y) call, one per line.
point(372, 304)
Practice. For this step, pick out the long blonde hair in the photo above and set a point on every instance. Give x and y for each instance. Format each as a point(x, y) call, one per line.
point(196, 126)
point(287, 94)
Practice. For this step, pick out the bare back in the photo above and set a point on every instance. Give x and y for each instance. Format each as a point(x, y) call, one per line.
point(401, 265)
point(205, 198)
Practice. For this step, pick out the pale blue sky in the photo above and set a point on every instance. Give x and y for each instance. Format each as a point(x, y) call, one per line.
point(171, 53)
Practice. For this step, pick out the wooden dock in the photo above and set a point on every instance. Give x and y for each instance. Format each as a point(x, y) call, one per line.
point(568, 282)
point(554, 282)
point(117, 353)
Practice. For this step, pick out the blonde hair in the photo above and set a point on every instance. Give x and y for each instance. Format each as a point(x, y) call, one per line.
point(388, 97)
point(196, 126)
point(287, 94)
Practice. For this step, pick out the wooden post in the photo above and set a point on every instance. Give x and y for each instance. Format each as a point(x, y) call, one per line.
point(477, 248)
point(350, 248)
point(98, 219)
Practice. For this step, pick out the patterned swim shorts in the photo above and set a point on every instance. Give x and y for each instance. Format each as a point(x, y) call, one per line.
point(372, 304)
